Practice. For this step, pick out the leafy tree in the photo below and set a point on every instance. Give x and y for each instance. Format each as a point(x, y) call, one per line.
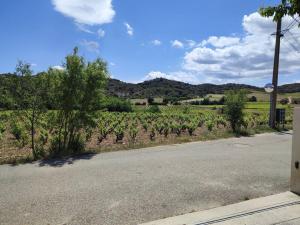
point(30, 97)
point(286, 7)
point(235, 102)
point(79, 95)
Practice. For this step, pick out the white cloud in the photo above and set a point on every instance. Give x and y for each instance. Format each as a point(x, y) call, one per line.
point(191, 43)
point(101, 33)
point(182, 76)
point(129, 29)
point(245, 58)
point(177, 44)
point(91, 46)
point(156, 42)
point(58, 67)
point(221, 42)
point(88, 12)
point(84, 28)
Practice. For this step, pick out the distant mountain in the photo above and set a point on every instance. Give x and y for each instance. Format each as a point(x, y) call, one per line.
point(289, 88)
point(161, 87)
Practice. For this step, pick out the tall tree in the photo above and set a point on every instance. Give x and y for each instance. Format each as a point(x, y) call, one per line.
point(30, 97)
point(79, 95)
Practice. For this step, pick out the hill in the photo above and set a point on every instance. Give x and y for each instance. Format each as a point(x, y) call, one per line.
point(161, 87)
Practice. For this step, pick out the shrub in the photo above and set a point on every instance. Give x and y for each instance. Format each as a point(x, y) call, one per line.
point(119, 132)
point(104, 130)
point(150, 100)
point(19, 131)
point(252, 99)
point(118, 105)
point(152, 134)
point(234, 105)
point(133, 131)
point(2, 130)
point(210, 125)
point(154, 109)
point(284, 101)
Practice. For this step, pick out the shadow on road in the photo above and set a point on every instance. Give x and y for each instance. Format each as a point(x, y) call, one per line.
point(285, 132)
point(59, 162)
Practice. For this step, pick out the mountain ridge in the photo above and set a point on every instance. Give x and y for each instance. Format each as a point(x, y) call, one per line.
point(161, 87)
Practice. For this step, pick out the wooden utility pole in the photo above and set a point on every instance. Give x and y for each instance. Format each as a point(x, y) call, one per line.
point(273, 98)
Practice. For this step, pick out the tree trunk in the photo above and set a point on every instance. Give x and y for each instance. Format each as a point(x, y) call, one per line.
point(32, 132)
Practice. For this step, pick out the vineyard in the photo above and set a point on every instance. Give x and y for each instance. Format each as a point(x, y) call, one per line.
point(117, 131)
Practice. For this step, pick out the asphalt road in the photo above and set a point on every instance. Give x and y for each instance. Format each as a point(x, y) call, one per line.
point(132, 187)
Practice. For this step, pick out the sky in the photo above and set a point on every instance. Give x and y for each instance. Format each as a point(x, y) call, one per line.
point(192, 41)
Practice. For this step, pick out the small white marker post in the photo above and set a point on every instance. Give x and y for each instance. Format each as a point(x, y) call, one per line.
point(295, 175)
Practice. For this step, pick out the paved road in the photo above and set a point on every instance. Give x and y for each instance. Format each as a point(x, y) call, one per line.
point(132, 187)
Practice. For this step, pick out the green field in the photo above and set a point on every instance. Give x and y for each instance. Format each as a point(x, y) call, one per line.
point(117, 131)
point(261, 96)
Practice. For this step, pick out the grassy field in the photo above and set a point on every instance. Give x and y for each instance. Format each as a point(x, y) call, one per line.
point(261, 96)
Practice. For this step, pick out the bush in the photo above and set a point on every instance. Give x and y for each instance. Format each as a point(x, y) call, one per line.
point(234, 105)
point(154, 109)
point(150, 100)
point(252, 99)
point(19, 132)
point(118, 105)
point(284, 101)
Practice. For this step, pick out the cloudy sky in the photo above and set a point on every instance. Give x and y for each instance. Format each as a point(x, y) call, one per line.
point(193, 41)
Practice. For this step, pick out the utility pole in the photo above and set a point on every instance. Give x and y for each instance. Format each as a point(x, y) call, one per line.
point(273, 96)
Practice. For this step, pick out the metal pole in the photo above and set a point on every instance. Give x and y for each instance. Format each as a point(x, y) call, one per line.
point(273, 99)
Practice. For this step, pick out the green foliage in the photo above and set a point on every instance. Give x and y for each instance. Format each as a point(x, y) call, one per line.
point(286, 7)
point(119, 132)
point(133, 131)
point(114, 104)
point(18, 130)
point(150, 101)
point(152, 134)
point(210, 125)
point(30, 95)
point(2, 129)
point(79, 95)
point(154, 109)
point(103, 129)
point(252, 99)
point(235, 102)
point(192, 126)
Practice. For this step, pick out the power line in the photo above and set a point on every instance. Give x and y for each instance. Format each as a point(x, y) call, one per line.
point(292, 51)
point(292, 45)
point(291, 25)
point(295, 39)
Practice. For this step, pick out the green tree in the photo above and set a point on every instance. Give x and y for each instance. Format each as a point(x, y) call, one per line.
point(235, 102)
point(79, 95)
point(286, 7)
point(30, 97)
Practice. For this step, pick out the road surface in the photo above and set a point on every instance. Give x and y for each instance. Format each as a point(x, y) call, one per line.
point(132, 187)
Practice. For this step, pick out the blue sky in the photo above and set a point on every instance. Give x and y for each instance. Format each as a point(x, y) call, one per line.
point(192, 41)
